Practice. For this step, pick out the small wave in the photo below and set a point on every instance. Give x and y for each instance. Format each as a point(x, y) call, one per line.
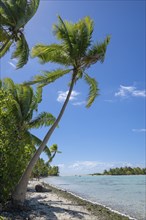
point(64, 184)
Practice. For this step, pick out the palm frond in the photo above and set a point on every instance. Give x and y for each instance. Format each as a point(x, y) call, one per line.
point(24, 96)
point(51, 158)
point(3, 35)
point(48, 77)
point(77, 36)
point(38, 94)
point(15, 108)
point(51, 53)
point(37, 142)
point(47, 152)
point(36, 99)
point(54, 148)
point(18, 9)
point(8, 85)
point(31, 9)
point(6, 12)
point(21, 52)
point(81, 36)
point(43, 119)
point(93, 90)
point(4, 21)
point(25, 11)
point(61, 32)
point(96, 53)
point(27, 137)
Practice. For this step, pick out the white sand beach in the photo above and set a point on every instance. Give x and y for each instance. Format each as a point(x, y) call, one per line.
point(55, 204)
point(51, 206)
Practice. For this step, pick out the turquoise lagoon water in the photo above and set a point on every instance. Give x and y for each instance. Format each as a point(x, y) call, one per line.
point(125, 194)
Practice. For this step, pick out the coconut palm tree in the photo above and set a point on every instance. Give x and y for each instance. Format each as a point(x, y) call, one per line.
point(13, 17)
point(76, 53)
point(26, 102)
point(17, 143)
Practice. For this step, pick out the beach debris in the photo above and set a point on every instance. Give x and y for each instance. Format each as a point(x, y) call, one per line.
point(40, 188)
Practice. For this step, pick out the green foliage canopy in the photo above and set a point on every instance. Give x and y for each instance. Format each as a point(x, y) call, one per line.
point(17, 144)
point(125, 171)
point(42, 169)
point(76, 52)
point(15, 150)
point(14, 15)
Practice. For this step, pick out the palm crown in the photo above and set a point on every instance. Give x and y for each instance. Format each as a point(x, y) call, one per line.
point(14, 16)
point(75, 51)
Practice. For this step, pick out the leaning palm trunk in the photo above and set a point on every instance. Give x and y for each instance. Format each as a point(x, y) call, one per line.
point(76, 51)
point(19, 193)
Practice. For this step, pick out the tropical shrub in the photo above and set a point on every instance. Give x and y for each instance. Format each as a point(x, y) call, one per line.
point(17, 144)
point(15, 151)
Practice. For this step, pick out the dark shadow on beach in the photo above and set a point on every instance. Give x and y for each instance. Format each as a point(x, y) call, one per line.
point(40, 209)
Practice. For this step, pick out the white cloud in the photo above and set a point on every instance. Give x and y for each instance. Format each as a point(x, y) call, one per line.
point(141, 93)
point(109, 100)
point(62, 96)
point(139, 130)
point(79, 103)
point(84, 164)
point(89, 167)
point(12, 64)
point(61, 165)
point(126, 91)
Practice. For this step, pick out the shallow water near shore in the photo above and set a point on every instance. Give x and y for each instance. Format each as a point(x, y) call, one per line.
point(125, 194)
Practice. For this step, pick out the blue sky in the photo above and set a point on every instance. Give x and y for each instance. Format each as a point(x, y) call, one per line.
point(112, 132)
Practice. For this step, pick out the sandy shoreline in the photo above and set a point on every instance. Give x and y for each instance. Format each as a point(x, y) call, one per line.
point(56, 204)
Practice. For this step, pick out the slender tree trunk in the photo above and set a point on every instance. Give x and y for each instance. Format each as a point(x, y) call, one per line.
point(19, 193)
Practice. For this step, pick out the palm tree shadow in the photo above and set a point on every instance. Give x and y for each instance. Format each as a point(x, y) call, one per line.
point(48, 210)
point(36, 208)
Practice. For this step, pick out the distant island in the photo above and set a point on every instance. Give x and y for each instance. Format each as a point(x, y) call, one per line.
point(123, 171)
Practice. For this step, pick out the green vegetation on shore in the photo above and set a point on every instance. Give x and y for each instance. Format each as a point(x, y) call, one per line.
point(123, 171)
point(17, 144)
point(42, 169)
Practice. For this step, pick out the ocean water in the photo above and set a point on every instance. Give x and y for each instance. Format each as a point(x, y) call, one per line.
point(125, 194)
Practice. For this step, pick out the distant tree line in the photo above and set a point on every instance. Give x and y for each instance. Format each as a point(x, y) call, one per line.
point(43, 169)
point(123, 171)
